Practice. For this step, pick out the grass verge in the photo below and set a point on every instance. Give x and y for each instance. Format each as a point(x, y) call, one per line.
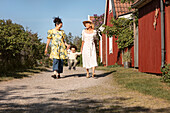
point(19, 74)
point(149, 84)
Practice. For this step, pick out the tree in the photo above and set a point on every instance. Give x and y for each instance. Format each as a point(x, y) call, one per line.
point(77, 41)
point(98, 21)
point(122, 29)
point(18, 47)
point(69, 38)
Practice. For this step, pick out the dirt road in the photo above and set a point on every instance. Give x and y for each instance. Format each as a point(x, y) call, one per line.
point(74, 93)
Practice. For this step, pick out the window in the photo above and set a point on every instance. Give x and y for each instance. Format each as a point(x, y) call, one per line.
point(110, 45)
point(110, 6)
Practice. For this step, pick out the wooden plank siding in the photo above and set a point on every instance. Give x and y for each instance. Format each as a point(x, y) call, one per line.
point(167, 33)
point(114, 57)
point(149, 38)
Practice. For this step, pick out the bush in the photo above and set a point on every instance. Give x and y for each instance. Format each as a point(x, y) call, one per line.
point(19, 48)
point(166, 73)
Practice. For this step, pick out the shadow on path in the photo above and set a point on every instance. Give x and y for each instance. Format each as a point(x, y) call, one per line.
point(84, 105)
point(84, 75)
point(19, 74)
point(9, 98)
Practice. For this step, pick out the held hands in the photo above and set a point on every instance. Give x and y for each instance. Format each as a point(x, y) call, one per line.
point(68, 47)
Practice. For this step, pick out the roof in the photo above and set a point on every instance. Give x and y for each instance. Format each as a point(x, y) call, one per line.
point(118, 8)
point(140, 3)
point(121, 8)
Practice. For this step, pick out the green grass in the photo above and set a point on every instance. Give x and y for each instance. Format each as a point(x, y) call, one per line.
point(148, 84)
point(19, 74)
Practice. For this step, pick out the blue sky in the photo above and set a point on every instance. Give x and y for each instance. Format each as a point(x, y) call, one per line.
point(38, 15)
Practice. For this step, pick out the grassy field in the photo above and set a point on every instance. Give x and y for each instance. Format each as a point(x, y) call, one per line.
point(19, 74)
point(148, 84)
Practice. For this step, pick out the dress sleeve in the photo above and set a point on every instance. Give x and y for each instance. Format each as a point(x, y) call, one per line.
point(49, 34)
point(83, 35)
point(78, 53)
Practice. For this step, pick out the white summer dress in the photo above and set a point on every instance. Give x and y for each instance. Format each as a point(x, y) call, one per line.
point(89, 49)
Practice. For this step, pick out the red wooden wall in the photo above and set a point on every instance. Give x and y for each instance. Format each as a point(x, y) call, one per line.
point(116, 56)
point(149, 39)
point(113, 57)
point(104, 49)
point(167, 33)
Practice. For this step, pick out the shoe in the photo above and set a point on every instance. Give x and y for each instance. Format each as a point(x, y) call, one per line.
point(54, 76)
point(58, 77)
point(69, 68)
point(74, 68)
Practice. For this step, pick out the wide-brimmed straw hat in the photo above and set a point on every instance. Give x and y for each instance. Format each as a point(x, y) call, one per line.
point(87, 21)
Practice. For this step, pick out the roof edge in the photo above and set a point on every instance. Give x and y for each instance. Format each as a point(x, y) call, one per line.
point(113, 8)
point(125, 14)
point(140, 3)
point(105, 13)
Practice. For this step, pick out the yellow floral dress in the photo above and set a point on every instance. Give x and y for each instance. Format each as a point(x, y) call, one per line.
point(58, 48)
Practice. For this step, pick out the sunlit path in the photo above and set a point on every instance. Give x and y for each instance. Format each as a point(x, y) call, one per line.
point(74, 93)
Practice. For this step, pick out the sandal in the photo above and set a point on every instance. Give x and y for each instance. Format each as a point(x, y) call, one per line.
point(87, 76)
point(93, 75)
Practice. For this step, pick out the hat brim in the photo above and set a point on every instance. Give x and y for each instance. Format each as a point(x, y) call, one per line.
point(84, 22)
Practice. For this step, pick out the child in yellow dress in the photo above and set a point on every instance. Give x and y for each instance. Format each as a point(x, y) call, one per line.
point(58, 47)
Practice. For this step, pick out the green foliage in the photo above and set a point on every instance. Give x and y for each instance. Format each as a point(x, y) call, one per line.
point(126, 57)
point(77, 41)
point(122, 30)
point(98, 60)
point(148, 84)
point(166, 73)
point(69, 38)
point(18, 47)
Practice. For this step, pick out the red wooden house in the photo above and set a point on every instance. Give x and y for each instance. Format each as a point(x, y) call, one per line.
point(154, 34)
point(109, 52)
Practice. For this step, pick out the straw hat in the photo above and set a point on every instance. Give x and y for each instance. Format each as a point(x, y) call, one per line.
point(88, 21)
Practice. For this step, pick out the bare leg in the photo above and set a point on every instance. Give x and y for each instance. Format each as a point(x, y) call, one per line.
point(87, 73)
point(55, 72)
point(93, 69)
point(75, 63)
point(55, 75)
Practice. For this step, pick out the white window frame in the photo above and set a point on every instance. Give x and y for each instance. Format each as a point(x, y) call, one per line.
point(110, 6)
point(110, 45)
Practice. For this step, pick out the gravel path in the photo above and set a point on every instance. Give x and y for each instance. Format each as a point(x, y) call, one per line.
point(74, 93)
